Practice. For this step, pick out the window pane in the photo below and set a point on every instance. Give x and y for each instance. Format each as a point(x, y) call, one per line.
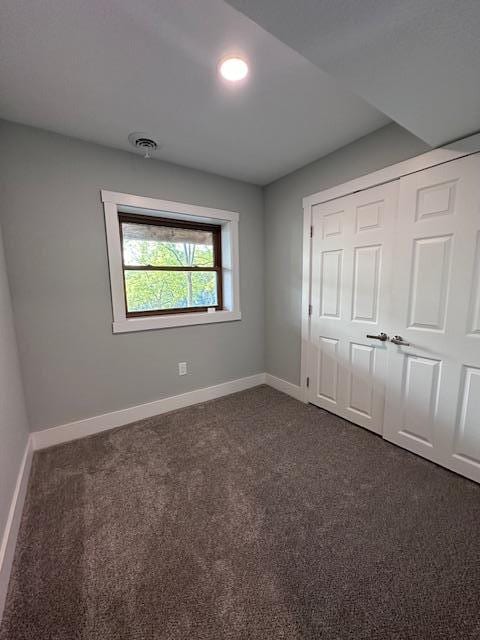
point(145, 244)
point(157, 290)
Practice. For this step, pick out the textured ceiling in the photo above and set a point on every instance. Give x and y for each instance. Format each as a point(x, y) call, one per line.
point(101, 69)
point(417, 61)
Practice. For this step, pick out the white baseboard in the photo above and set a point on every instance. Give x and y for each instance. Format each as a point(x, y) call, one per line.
point(96, 424)
point(286, 387)
point(9, 539)
point(106, 421)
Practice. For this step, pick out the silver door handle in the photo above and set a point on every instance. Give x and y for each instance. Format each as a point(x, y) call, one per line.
point(381, 336)
point(400, 341)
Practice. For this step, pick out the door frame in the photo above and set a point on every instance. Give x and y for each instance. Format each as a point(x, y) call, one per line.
point(448, 153)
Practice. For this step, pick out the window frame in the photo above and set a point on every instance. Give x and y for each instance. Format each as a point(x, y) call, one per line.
point(215, 229)
point(115, 203)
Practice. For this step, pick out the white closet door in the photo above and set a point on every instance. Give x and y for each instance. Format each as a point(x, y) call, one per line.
point(350, 292)
point(433, 396)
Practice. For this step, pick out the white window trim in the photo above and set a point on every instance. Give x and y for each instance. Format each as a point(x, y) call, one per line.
point(114, 203)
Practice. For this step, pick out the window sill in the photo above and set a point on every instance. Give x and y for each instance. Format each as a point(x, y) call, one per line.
point(175, 320)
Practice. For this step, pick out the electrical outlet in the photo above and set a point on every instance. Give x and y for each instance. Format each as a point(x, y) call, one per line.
point(182, 369)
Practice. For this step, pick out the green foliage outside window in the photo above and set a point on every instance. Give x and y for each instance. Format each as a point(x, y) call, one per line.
point(152, 290)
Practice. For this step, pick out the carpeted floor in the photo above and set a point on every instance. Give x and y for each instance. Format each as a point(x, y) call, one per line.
point(252, 517)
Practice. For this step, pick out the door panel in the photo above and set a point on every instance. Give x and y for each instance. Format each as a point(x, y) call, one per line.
point(430, 279)
point(361, 381)
point(327, 376)
point(331, 283)
point(434, 200)
point(432, 403)
point(467, 441)
point(366, 281)
point(351, 263)
point(369, 216)
point(420, 397)
point(474, 307)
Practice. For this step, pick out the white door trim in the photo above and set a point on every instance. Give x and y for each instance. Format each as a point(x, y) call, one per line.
point(452, 151)
point(306, 285)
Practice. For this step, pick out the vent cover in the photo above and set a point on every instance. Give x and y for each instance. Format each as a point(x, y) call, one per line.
point(143, 142)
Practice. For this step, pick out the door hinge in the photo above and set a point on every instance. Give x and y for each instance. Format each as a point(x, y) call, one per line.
point(308, 382)
point(309, 309)
point(311, 232)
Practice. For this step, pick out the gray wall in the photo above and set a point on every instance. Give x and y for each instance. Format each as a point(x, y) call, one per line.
point(52, 218)
point(13, 416)
point(73, 366)
point(283, 234)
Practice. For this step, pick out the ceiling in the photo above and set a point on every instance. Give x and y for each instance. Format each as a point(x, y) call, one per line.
point(418, 61)
point(98, 70)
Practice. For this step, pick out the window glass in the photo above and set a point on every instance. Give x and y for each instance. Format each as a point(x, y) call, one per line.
point(154, 290)
point(166, 246)
point(170, 266)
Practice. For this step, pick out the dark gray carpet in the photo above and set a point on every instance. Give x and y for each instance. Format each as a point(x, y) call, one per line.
point(249, 517)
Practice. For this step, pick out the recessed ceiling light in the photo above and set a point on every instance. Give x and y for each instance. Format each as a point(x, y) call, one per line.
point(233, 69)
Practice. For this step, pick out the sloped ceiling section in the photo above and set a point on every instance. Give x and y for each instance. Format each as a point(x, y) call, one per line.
point(418, 61)
point(98, 70)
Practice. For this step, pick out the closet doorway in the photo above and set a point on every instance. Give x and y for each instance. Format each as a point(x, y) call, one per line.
point(393, 340)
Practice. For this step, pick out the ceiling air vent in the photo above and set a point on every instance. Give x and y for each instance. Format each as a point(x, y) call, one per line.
point(143, 143)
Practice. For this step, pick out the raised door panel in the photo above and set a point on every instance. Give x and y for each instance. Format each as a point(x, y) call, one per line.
point(333, 224)
point(369, 216)
point(437, 199)
point(473, 326)
point(361, 379)
point(467, 436)
point(366, 283)
point(430, 282)
point(327, 374)
point(331, 283)
point(420, 398)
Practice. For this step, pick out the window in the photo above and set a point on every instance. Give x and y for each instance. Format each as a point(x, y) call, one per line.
point(171, 264)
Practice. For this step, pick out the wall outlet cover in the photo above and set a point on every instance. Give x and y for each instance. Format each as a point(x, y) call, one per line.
point(182, 368)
